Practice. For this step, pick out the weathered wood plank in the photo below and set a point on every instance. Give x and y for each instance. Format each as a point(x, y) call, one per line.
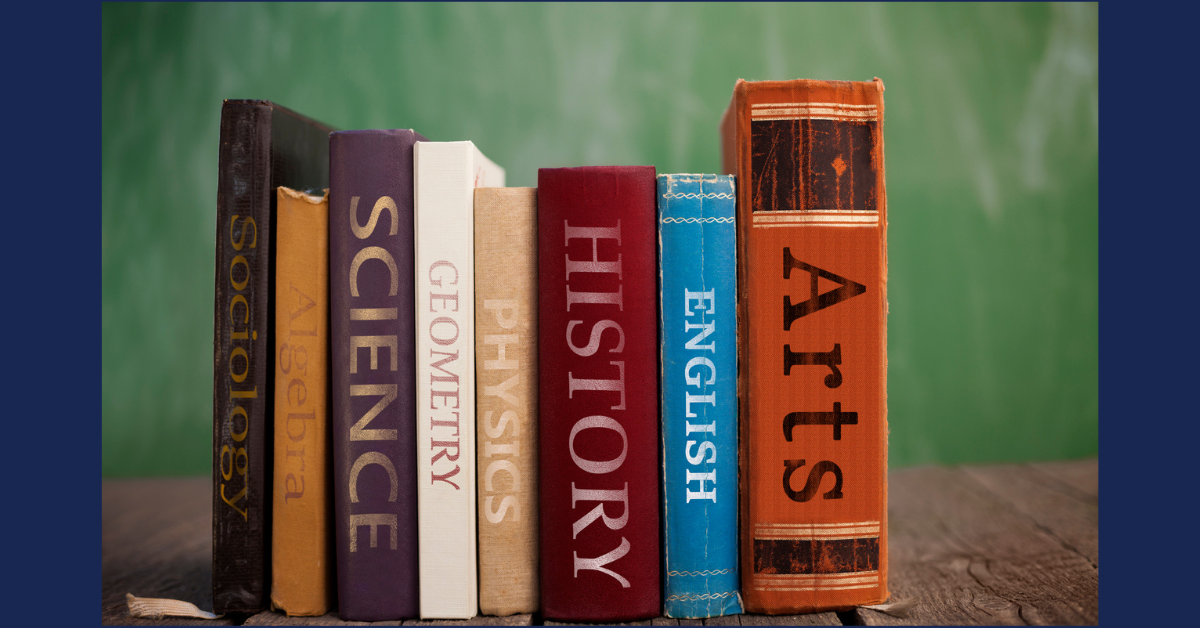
point(809, 619)
point(967, 557)
point(275, 618)
point(667, 621)
point(647, 622)
point(723, 620)
point(1083, 475)
point(1060, 509)
point(156, 541)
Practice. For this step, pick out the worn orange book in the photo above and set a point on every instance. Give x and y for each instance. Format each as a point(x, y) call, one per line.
point(812, 336)
point(302, 521)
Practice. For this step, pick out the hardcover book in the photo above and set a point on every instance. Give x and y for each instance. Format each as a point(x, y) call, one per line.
point(302, 574)
point(598, 394)
point(446, 175)
point(506, 410)
point(812, 264)
point(263, 146)
point(697, 332)
point(373, 384)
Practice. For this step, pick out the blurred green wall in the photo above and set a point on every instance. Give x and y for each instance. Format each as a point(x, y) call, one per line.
point(992, 158)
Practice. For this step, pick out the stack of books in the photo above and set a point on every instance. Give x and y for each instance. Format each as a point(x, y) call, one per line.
point(617, 395)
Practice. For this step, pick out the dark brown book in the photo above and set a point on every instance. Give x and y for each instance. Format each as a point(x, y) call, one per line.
point(812, 334)
point(263, 146)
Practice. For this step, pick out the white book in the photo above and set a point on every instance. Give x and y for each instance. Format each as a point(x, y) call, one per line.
point(445, 177)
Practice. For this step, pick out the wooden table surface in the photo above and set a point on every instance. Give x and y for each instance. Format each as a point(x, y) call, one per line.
point(997, 544)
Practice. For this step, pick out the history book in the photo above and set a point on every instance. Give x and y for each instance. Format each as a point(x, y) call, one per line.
point(598, 394)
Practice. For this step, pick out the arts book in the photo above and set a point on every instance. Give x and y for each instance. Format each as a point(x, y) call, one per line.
point(445, 177)
point(598, 394)
point(263, 146)
point(302, 574)
point(697, 336)
point(812, 264)
point(506, 410)
point(373, 332)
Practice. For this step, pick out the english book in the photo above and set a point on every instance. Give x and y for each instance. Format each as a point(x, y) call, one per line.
point(372, 322)
point(506, 410)
point(697, 332)
point(812, 264)
point(263, 146)
point(445, 177)
point(598, 394)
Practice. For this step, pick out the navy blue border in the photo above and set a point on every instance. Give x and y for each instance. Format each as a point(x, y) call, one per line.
point(1149, 273)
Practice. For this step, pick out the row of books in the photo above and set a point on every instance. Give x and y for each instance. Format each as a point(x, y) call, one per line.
point(436, 396)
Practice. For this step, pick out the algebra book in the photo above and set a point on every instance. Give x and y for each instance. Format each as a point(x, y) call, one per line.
point(263, 146)
point(697, 332)
point(598, 394)
point(373, 372)
point(506, 409)
point(302, 573)
point(445, 177)
point(812, 263)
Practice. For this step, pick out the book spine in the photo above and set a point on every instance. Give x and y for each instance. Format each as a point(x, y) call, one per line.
point(301, 567)
point(506, 407)
point(372, 332)
point(242, 364)
point(812, 222)
point(598, 394)
point(445, 341)
point(697, 331)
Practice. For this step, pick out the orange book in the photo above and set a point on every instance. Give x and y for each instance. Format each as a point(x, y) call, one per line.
point(812, 336)
point(302, 519)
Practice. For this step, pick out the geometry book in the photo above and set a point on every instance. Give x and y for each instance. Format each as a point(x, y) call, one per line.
point(445, 175)
point(812, 281)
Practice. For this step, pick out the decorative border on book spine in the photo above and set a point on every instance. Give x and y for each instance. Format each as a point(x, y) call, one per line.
point(686, 597)
point(670, 220)
point(695, 195)
point(707, 572)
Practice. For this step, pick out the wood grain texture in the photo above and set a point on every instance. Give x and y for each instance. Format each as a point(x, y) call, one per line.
point(156, 541)
point(997, 544)
point(968, 556)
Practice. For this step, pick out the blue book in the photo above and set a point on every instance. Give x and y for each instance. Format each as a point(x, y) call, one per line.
point(697, 333)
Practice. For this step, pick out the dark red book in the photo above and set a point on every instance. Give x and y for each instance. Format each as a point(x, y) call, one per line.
point(374, 408)
point(263, 146)
point(598, 394)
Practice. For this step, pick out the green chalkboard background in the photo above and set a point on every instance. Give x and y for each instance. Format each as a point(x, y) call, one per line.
point(992, 134)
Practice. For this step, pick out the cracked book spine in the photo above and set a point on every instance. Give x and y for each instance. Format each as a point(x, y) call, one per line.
point(812, 263)
point(697, 335)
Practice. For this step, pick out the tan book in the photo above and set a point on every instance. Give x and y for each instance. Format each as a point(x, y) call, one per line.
point(506, 407)
point(301, 560)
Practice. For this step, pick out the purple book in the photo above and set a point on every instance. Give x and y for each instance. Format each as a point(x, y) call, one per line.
point(372, 333)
